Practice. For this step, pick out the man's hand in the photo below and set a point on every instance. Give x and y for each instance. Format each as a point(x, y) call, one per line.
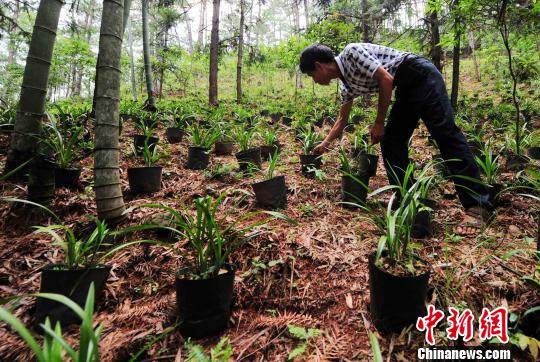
point(377, 133)
point(321, 148)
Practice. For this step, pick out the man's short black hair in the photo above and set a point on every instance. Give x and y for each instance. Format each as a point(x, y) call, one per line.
point(315, 53)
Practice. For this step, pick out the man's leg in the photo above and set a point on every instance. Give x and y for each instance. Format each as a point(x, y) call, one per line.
point(439, 119)
point(395, 150)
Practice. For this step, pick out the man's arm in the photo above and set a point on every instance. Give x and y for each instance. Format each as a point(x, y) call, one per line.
point(336, 130)
point(385, 81)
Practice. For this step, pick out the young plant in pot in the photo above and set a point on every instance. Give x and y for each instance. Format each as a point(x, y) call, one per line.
point(515, 159)
point(204, 286)
point(354, 181)
point(146, 179)
point(534, 145)
point(177, 125)
point(201, 141)
point(81, 267)
point(63, 143)
point(489, 166)
point(272, 191)
point(363, 151)
point(398, 280)
point(224, 143)
point(146, 136)
point(249, 157)
point(310, 163)
point(271, 144)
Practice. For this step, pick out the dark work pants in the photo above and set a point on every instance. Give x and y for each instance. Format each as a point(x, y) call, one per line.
point(421, 93)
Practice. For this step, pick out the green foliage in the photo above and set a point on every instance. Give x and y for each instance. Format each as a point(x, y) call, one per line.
point(202, 137)
point(310, 139)
point(62, 142)
point(304, 336)
point(333, 32)
point(272, 163)
point(221, 352)
point(211, 237)
point(489, 165)
point(244, 136)
point(55, 347)
point(377, 355)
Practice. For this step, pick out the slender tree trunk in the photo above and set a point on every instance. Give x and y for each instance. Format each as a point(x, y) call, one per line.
point(151, 102)
point(472, 44)
point(109, 199)
point(214, 53)
point(188, 28)
point(456, 53)
point(435, 39)
point(306, 12)
point(87, 28)
point(31, 105)
point(127, 8)
point(202, 23)
point(12, 43)
point(296, 15)
point(240, 55)
point(365, 25)
point(132, 61)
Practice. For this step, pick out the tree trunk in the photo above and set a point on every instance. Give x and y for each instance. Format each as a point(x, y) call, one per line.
point(87, 28)
point(151, 102)
point(240, 55)
point(472, 44)
point(202, 23)
point(109, 199)
point(214, 53)
point(132, 61)
point(455, 62)
point(188, 28)
point(34, 85)
point(296, 15)
point(306, 12)
point(127, 8)
point(12, 43)
point(435, 39)
point(365, 26)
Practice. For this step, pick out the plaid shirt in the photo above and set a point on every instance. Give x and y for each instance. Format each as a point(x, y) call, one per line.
point(359, 61)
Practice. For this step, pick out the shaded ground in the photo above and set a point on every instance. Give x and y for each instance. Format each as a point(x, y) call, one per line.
point(320, 278)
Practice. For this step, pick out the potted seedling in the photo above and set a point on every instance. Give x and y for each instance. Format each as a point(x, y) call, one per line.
point(146, 179)
point(204, 287)
point(146, 136)
point(310, 162)
point(272, 191)
point(248, 157)
point(224, 144)
point(62, 144)
point(398, 280)
point(176, 130)
point(354, 181)
point(201, 141)
point(363, 150)
point(270, 142)
point(534, 145)
point(489, 166)
point(515, 160)
point(81, 267)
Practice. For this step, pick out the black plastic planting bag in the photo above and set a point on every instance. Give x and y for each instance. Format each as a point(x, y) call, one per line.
point(138, 142)
point(353, 191)
point(249, 157)
point(310, 162)
point(271, 193)
point(204, 306)
point(73, 284)
point(198, 158)
point(144, 180)
point(395, 302)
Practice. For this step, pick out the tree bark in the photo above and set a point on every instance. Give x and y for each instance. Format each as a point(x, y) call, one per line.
point(435, 39)
point(472, 44)
point(132, 61)
point(202, 23)
point(455, 55)
point(306, 12)
point(31, 106)
point(240, 55)
point(296, 15)
point(214, 53)
point(109, 199)
point(365, 25)
point(12, 43)
point(151, 101)
point(188, 28)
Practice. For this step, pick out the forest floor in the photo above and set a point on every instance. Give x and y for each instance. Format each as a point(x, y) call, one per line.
point(319, 277)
